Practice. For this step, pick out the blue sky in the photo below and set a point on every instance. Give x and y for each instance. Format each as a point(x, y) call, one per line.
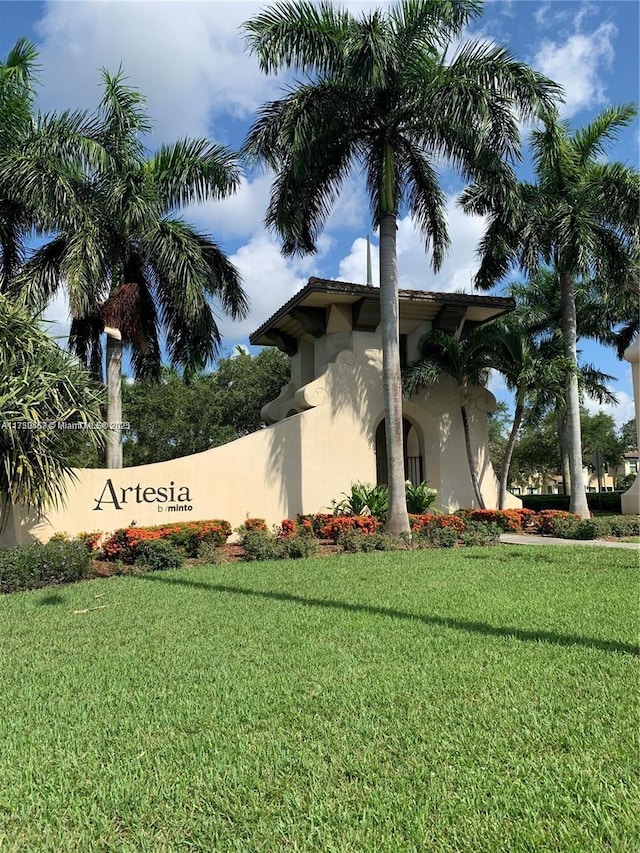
point(188, 59)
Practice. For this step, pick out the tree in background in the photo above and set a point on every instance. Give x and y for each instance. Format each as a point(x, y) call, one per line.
point(45, 392)
point(381, 94)
point(580, 219)
point(128, 262)
point(173, 418)
point(629, 436)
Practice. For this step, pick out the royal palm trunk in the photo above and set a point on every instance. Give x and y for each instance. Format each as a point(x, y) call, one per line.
point(397, 518)
point(508, 454)
point(114, 402)
point(578, 501)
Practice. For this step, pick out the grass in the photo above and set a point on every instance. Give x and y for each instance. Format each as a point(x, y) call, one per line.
point(468, 700)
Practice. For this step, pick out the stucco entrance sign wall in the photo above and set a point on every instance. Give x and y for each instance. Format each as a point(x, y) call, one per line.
point(321, 433)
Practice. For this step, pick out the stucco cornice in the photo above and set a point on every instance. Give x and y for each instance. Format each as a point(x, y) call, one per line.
point(321, 293)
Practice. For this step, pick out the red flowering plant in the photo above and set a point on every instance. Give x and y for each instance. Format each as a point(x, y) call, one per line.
point(287, 529)
point(341, 523)
point(318, 521)
point(505, 519)
point(91, 540)
point(123, 544)
point(439, 520)
point(546, 519)
point(254, 524)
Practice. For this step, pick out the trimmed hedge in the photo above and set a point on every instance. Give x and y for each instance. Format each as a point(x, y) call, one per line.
point(596, 501)
point(187, 536)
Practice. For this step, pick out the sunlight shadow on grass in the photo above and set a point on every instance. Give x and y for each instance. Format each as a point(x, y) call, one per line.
point(522, 634)
point(51, 599)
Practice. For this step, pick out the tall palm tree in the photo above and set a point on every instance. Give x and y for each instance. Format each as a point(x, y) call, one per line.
point(130, 265)
point(605, 311)
point(381, 93)
point(580, 219)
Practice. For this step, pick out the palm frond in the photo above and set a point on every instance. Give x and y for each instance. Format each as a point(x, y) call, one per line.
point(299, 35)
point(191, 171)
point(590, 141)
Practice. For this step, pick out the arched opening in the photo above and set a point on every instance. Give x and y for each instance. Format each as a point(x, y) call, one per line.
point(413, 458)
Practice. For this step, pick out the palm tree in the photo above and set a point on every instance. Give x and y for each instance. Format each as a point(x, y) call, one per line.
point(467, 361)
point(532, 368)
point(43, 388)
point(131, 266)
point(605, 311)
point(381, 93)
point(580, 219)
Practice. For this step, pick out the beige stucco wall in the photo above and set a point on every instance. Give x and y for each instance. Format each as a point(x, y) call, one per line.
point(298, 464)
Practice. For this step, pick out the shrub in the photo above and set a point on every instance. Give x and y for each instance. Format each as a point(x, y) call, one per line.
point(158, 556)
point(554, 521)
point(36, 565)
point(254, 524)
point(357, 523)
point(588, 528)
point(507, 520)
point(419, 498)
point(318, 521)
point(622, 525)
point(90, 540)
point(480, 533)
point(212, 553)
point(596, 501)
point(259, 544)
point(436, 520)
point(298, 546)
point(123, 544)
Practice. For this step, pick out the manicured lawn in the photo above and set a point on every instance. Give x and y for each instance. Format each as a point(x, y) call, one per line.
point(468, 700)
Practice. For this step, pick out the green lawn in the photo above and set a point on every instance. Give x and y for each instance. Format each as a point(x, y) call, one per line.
point(467, 700)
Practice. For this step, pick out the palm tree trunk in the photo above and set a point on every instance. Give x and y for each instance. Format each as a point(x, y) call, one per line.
point(508, 453)
point(564, 454)
point(397, 518)
point(114, 399)
point(472, 468)
point(578, 502)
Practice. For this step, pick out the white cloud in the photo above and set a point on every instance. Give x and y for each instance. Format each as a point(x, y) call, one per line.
point(238, 216)
point(353, 267)
point(269, 281)
point(541, 13)
point(187, 58)
point(577, 63)
point(414, 264)
point(56, 318)
point(621, 413)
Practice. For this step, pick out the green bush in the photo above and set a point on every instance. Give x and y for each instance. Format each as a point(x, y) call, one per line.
point(479, 533)
point(597, 502)
point(298, 546)
point(622, 525)
point(588, 528)
point(34, 566)
point(156, 556)
point(432, 536)
point(259, 545)
point(211, 552)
